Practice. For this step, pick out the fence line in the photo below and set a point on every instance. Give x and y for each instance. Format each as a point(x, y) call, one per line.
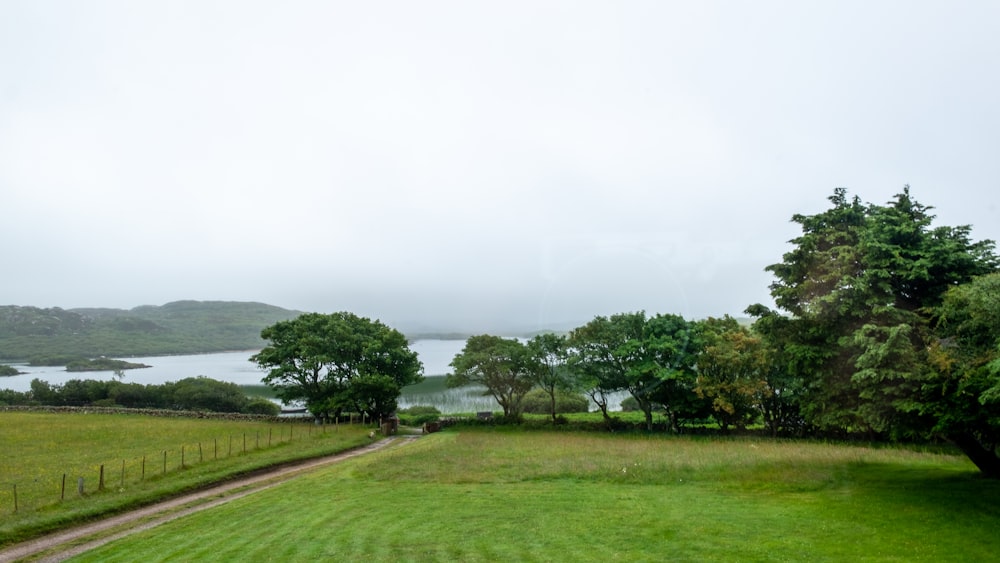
point(91, 479)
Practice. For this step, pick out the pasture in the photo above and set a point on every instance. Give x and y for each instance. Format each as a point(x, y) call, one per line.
point(144, 458)
point(494, 494)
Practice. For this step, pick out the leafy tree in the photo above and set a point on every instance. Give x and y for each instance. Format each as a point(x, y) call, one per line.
point(11, 397)
point(964, 395)
point(732, 370)
point(671, 347)
point(43, 393)
point(79, 392)
point(650, 358)
point(594, 363)
point(503, 366)
point(318, 359)
point(862, 284)
point(374, 394)
point(138, 396)
point(552, 373)
point(781, 398)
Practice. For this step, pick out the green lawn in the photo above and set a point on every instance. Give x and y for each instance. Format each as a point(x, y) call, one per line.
point(39, 448)
point(488, 495)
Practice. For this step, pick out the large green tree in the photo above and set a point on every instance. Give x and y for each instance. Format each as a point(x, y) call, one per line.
point(964, 395)
point(651, 358)
point(861, 285)
point(552, 375)
point(732, 369)
point(337, 362)
point(504, 366)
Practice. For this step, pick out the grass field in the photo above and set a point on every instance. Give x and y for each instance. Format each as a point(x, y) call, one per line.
point(39, 448)
point(488, 495)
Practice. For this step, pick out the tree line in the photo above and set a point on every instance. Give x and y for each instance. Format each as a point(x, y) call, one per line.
point(886, 325)
point(189, 394)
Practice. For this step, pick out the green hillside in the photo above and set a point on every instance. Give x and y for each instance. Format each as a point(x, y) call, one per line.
point(181, 327)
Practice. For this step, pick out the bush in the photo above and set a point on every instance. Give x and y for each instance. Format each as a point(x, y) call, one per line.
point(538, 401)
point(260, 405)
point(631, 405)
point(205, 394)
point(418, 415)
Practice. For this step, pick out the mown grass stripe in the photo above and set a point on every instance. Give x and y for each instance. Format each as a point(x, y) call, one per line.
point(464, 496)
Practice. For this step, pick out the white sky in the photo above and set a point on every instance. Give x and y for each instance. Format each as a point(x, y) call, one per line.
point(471, 164)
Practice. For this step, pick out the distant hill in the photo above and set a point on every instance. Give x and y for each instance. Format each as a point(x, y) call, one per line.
point(181, 327)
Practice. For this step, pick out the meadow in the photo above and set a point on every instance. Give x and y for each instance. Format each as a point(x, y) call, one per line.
point(487, 494)
point(144, 458)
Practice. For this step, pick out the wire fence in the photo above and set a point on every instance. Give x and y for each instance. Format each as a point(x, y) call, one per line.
point(52, 485)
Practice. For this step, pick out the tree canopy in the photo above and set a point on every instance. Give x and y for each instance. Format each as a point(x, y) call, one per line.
point(504, 366)
point(651, 358)
point(338, 362)
point(863, 287)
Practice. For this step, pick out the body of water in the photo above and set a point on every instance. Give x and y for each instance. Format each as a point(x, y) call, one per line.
point(234, 367)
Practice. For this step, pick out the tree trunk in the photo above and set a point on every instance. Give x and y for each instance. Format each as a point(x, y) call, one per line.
point(984, 458)
point(601, 403)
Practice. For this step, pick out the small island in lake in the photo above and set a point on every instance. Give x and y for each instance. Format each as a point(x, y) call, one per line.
point(102, 364)
point(6, 371)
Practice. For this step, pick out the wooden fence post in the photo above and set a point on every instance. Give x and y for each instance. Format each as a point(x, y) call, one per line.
point(62, 495)
point(15, 497)
point(200, 458)
point(143, 477)
point(123, 474)
point(164, 461)
point(79, 486)
point(182, 457)
point(100, 480)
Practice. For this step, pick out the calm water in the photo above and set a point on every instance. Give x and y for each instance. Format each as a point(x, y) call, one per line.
point(234, 367)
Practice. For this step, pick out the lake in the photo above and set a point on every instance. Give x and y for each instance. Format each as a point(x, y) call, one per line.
point(234, 367)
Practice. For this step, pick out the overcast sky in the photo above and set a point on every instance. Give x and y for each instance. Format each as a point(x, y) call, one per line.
point(472, 164)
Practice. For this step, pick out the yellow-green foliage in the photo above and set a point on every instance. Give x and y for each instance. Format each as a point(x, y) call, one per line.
point(39, 448)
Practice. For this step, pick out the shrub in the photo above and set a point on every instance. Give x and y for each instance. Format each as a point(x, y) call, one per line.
point(538, 401)
point(260, 405)
point(631, 405)
point(418, 415)
point(205, 394)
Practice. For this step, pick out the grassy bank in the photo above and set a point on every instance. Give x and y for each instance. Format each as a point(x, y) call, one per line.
point(487, 495)
point(143, 458)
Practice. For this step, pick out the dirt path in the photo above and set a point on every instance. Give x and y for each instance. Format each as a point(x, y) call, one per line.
point(74, 541)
